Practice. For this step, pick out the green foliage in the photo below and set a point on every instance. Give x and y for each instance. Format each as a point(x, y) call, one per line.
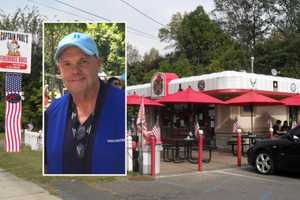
point(267, 30)
point(135, 74)
point(247, 21)
point(195, 35)
point(29, 21)
point(280, 53)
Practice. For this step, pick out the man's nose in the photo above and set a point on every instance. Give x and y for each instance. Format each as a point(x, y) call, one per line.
point(75, 68)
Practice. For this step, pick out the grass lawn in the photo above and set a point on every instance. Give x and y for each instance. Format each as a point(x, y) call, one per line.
point(28, 165)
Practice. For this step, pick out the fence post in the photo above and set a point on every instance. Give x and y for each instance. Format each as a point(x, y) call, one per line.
point(152, 141)
point(239, 147)
point(129, 154)
point(200, 150)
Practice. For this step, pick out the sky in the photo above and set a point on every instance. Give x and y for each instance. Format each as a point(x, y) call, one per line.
point(117, 10)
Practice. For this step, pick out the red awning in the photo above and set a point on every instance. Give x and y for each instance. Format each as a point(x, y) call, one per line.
point(292, 101)
point(190, 96)
point(136, 100)
point(253, 98)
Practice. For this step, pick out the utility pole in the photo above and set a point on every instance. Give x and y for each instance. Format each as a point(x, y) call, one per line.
point(252, 64)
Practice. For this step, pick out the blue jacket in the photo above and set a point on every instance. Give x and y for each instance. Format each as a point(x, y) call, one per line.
point(108, 156)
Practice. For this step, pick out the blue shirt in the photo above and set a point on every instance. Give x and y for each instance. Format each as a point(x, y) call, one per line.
point(107, 152)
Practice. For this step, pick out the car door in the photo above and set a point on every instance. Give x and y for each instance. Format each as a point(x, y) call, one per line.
point(290, 156)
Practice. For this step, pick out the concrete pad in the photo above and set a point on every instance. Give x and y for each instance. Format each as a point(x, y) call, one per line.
point(14, 188)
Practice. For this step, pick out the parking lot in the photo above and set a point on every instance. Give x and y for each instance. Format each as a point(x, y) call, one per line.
point(232, 183)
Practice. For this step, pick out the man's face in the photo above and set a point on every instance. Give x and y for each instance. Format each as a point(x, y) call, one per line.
point(78, 70)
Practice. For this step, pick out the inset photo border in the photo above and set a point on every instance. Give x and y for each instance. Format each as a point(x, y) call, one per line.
point(84, 85)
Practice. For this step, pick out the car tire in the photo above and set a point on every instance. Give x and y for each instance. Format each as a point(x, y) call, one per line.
point(264, 163)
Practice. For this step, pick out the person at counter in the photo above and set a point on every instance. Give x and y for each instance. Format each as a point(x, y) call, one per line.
point(276, 127)
point(285, 127)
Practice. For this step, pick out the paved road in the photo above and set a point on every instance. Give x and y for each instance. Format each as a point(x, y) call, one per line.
point(233, 184)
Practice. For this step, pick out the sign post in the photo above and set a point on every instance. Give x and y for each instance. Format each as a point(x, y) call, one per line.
point(15, 59)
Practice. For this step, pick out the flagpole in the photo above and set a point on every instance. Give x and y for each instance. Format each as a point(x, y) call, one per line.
point(141, 142)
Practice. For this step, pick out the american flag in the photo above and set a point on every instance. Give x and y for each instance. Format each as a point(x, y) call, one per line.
point(294, 124)
point(197, 128)
point(156, 132)
point(13, 113)
point(236, 126)
point(141, 122)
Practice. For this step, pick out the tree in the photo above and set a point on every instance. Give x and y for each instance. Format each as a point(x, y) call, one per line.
point(151, 59)
point(246, 20)
point(196, 36)
point(285, 16)
point(28, 20)
point(133, 55)
point(281, 53)
point(135, 69)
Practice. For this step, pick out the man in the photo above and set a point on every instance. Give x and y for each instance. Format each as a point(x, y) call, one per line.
point(85, 128)
point(276, 127)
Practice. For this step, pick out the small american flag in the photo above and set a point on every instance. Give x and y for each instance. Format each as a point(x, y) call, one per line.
point(13, 112)
point(236, 126)
point(141, 122)
point(294, 124)
point(156, 132)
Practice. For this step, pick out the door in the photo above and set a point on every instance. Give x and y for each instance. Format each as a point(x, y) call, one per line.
point(290, 156)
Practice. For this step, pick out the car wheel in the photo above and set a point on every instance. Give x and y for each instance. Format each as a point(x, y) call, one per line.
point(264, 163)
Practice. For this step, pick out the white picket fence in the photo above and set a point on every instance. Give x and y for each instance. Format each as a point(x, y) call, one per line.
point(33, 139)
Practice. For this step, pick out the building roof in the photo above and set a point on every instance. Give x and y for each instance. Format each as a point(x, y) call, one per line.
point(229, 82)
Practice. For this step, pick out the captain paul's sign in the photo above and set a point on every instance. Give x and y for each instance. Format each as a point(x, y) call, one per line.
point(15, 52)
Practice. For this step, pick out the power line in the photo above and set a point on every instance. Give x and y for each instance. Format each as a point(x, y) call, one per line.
point(60, 10)
point(98, 16)
point(142, 13)
point(144, 36)
point(103, 18)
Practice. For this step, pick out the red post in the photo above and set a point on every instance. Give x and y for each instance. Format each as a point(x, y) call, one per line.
point(200, 150)
point(271, 133)
point(152, 141)
point(239, 147)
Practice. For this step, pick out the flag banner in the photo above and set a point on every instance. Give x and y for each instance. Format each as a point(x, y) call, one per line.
point(156, 132)
point(294, 124)
point(13, 111)
point(236, 126)
point(15, 52)
point(142, 124)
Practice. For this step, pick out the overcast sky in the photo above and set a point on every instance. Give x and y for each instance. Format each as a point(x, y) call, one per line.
point(116, 10)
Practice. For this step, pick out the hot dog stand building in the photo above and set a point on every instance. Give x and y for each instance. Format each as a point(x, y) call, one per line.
point(217, 120)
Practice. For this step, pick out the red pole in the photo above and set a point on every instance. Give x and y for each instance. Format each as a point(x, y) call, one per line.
point(239, 147)
point(271, 133)
point(152, 141)
point(200, 150)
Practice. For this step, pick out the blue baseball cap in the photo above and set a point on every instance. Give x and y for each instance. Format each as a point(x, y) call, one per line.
point(80, 40)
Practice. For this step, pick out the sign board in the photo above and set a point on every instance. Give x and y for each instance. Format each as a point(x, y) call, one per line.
point(158, 85)
point(15, 52)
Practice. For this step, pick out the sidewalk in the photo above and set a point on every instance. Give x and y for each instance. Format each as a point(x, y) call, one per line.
point(14, 188)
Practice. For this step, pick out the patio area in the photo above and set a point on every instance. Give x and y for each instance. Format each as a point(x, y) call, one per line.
point(220, 160)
